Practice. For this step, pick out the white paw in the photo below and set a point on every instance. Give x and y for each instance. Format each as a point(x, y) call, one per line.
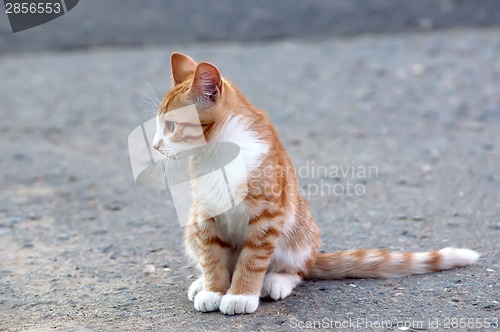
point(207, 301)
point(239, 304)
point(195, 288)
point(279, 285)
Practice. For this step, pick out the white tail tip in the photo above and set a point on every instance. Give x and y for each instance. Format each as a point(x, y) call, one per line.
point(455, 257)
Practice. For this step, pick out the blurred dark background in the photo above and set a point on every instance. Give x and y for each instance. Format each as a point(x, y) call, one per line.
point(94, 23)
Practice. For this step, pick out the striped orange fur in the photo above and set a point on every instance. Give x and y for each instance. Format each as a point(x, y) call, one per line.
point(269, 243)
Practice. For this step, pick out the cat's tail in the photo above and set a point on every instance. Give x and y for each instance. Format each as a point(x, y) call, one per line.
point(375, 263)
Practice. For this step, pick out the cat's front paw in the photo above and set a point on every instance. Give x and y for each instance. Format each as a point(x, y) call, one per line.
point(206, 301)
point(239, 304)
point(195, 288)
point(279, 285)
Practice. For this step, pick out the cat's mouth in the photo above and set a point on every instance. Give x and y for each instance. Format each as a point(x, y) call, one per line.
point(166, 151)
point(170, 152)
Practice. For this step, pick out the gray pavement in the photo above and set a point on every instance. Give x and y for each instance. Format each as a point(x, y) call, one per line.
point(82, 246)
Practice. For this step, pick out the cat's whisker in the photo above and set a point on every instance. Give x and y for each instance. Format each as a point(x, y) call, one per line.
point(165, 169)
point(145, 93)
point(154, 93)
point(157, 168)
point(176, 159)
point(151, 103)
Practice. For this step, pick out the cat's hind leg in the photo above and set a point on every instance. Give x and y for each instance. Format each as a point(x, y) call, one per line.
point(277, 286)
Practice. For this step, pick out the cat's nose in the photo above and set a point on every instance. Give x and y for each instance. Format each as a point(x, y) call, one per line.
point(158, 145)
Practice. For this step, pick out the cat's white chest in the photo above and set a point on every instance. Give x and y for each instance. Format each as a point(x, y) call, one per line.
point(222, 192)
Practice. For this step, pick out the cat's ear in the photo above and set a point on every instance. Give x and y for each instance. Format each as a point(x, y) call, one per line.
point(182, 67)
point(207, 84)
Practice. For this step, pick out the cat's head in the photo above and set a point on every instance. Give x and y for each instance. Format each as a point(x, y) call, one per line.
point(192, 106)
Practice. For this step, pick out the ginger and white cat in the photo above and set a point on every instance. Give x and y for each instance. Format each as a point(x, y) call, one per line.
point(268, 244)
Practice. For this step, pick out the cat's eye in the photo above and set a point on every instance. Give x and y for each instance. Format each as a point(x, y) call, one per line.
point(170, 125)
